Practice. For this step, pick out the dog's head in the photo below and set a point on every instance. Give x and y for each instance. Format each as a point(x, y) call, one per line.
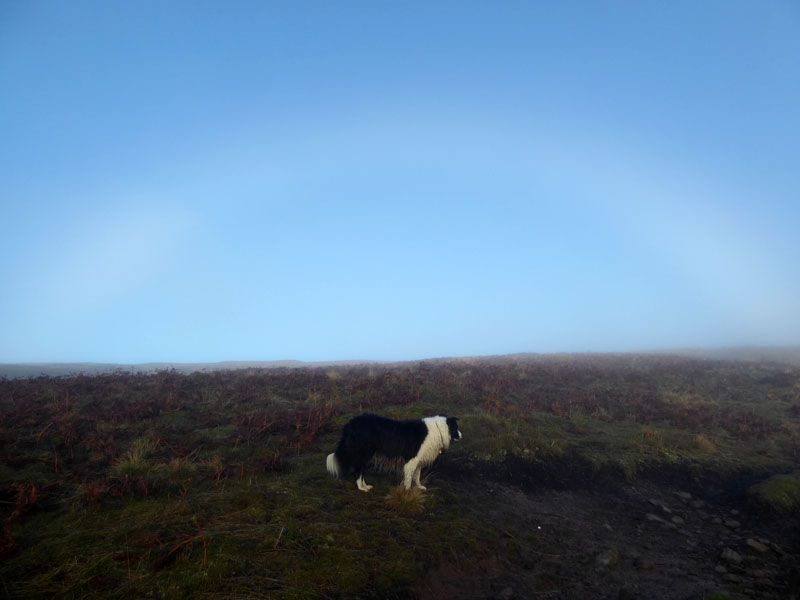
point(452, 426)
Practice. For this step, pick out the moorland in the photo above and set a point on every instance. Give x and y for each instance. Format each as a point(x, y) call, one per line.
point(579, 476)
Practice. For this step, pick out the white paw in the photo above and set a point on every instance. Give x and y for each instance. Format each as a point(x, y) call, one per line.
point(422, 487)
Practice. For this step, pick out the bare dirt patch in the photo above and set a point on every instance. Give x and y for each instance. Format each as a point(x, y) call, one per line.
point(607, 538)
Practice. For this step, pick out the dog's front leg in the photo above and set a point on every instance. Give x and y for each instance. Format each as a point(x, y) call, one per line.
point(411, 473)
point(416, 477)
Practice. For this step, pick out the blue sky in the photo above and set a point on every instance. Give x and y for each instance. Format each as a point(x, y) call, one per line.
point(204, 181)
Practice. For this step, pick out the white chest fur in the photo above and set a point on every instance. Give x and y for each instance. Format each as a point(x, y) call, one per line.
point(438, 439)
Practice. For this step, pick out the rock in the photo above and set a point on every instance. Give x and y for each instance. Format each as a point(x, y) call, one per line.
point(685, 496)
point(666, 509)
point(732, 523)
point(758, 546)
point(652, 517)
point(731, 556)
point(732, 578)
point(765, 583)
point(698, 504)
point(720, 569)
point(734, 512)
point(677, 520)
point(716, 521)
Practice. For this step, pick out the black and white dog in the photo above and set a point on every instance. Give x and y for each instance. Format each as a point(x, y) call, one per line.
point(408, 444)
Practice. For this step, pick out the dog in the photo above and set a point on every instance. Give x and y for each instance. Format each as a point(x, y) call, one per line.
point(410, 445)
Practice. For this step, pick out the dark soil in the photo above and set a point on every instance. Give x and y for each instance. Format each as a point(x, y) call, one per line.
point(573, 533)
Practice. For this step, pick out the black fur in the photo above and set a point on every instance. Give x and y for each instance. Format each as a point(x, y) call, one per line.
point(452, 425)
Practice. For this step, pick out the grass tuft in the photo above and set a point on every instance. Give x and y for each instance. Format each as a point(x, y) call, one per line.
point(136, 462)
point(704, 445)
point(407, 502)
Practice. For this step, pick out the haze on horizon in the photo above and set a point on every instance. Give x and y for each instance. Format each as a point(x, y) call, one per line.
point(201, 182)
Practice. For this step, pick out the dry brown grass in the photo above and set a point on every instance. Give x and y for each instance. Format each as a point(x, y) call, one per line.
point(704, 445)
point(407, 502)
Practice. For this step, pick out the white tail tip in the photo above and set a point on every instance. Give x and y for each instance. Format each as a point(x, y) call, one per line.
point(333, 465)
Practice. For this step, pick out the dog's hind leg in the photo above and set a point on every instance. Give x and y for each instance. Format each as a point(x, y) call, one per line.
point(362, 484)
point(358, 469)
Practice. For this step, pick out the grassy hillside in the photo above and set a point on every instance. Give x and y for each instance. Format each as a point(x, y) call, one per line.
point(213, 484)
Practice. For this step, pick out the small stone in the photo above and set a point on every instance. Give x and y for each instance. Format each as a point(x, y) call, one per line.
point(720, 569)
point(756, 545)
point(652, 517)
point(677, 520)
point(731, 556)
point(685, 496)
point(734, 512)
point(732, 578)
point(732, 523)
point(666, 509)
point(698, 504)
point(716, 521)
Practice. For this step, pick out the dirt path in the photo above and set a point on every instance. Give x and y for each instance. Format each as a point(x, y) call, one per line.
point(623, 541)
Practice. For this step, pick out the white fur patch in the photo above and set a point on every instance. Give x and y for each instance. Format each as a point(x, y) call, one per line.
point(438, 439)
point(333, 465)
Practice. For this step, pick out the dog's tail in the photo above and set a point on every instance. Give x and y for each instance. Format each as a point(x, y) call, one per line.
point(334, 468)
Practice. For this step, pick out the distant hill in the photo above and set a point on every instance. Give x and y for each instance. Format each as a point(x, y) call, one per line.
point(789, 355)
point(22, 370)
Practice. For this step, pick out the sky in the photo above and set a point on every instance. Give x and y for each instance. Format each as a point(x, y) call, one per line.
point(209, 181)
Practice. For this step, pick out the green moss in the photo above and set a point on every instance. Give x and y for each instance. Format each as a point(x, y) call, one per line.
point(779, 493)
